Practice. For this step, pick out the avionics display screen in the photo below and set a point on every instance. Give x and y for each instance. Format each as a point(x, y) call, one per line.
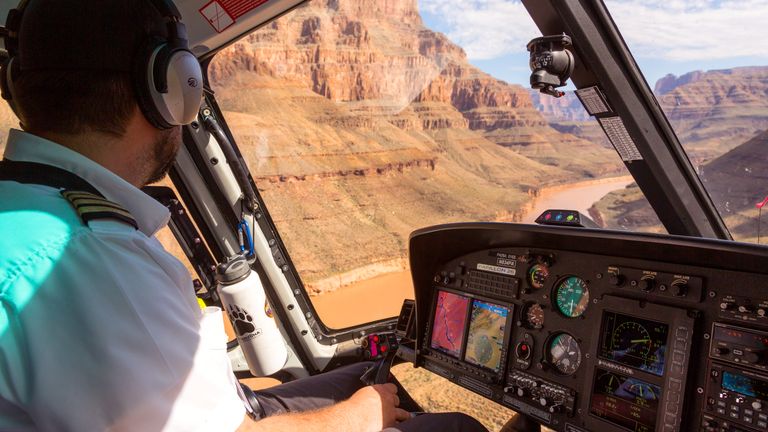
point(624, 401)
point(743, 338)
point(745, 385)
point(485, 340)
point(634, 342)
point(450, 322)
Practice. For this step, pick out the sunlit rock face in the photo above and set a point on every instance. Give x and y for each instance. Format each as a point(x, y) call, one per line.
point(360, 125)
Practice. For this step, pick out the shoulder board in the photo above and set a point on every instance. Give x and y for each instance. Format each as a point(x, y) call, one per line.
point(94, 207)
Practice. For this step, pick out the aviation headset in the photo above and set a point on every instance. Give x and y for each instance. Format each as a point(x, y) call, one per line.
point(167, 78)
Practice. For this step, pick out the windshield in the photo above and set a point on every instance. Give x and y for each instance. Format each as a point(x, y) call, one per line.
point(364, 120)
point(706, 63)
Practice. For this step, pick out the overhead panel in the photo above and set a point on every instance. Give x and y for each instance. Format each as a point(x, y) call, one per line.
point(212, 24)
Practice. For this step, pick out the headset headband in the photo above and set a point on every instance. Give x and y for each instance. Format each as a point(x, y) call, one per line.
point(167, 9)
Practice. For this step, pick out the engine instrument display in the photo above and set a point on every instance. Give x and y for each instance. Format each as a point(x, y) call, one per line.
point(450, 322)
point(624, 401)
point(485, 341)
point(533, 316)
point(537, 276)
point(745, 385)
point(564, 353)
point(572, 296)
point(634, 342)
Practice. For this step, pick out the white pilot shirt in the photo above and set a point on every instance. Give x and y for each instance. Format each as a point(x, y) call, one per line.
point(99, 325)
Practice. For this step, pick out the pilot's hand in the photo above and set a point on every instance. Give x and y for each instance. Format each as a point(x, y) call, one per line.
point(377, 407)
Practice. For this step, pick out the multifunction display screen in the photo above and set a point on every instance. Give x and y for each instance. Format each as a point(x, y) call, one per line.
point(745, 385)
point(624, 401)
point(450, 322)
point(634, 342)
point(485, 341)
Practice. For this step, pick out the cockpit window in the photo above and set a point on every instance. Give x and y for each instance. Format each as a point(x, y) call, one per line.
point(367, 120)
point(709, 74)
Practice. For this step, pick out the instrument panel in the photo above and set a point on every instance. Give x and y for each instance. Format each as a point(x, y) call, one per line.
point(591, 330)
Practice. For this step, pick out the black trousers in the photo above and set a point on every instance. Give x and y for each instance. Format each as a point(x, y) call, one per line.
point(326, 389)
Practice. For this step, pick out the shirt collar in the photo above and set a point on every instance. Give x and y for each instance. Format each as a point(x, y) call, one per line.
point(149, 214)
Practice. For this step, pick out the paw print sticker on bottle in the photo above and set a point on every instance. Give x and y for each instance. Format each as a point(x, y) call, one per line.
point(242, 321)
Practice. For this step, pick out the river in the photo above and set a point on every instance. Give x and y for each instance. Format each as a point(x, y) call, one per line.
point(381, 296)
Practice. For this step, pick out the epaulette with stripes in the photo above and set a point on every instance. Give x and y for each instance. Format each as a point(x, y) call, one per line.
point(94, 207)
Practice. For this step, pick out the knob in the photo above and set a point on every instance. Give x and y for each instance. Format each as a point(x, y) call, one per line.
point(740, 399)
point(647, 284)
point(615, 279)
point(723, 395)
point(726, 306)
point(680, 289)
point(761, 312)
point(544, 401)
point(555, 409)
point(756, 405)
point(751, 357)
point(745, 308)
point(521, 392)
point(722, 350)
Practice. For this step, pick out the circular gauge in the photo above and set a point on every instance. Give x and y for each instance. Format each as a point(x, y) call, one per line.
point(533, 316)
point(564, 353)
point(537, 275)
point(608, 383)
point(631, 338)
point(572, 296)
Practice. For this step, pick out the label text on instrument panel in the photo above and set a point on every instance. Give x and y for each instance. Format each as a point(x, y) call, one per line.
point(496, 269)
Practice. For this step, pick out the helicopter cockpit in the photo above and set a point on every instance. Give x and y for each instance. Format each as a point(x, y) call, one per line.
point(381, 195)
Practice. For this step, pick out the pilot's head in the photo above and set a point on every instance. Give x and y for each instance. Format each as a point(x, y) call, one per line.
point(93, 66)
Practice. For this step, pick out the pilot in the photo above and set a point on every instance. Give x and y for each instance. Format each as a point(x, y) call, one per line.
point(99, 326)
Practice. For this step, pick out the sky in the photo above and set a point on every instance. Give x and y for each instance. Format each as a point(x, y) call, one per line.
point(665, 36)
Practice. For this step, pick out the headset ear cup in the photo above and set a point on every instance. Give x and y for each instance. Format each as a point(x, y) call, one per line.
point(8, 72)
point(144, 85)
point(178, 87)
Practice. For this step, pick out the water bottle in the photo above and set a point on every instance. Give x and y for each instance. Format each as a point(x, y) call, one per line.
point(246, 305)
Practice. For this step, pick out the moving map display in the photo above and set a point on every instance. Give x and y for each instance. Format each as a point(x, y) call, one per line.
point(450, 322)
point(485, 341)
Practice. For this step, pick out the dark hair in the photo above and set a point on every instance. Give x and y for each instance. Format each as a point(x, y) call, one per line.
point(76, 63)
point(73, 102)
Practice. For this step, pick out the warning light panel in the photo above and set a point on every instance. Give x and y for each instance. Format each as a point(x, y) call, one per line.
point(565, 218)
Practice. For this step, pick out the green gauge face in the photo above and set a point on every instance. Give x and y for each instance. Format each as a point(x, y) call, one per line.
point(564, 353)
point(572, 296)
point(537, 276)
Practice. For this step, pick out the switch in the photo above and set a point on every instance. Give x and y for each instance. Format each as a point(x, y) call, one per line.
point(615, 279)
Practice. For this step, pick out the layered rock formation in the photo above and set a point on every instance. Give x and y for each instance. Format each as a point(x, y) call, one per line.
point(360, 125)
point(559, 110)
point(715, 111)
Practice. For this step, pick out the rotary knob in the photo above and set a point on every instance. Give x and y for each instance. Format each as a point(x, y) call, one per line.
point(647, 284)
point(680, 288)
